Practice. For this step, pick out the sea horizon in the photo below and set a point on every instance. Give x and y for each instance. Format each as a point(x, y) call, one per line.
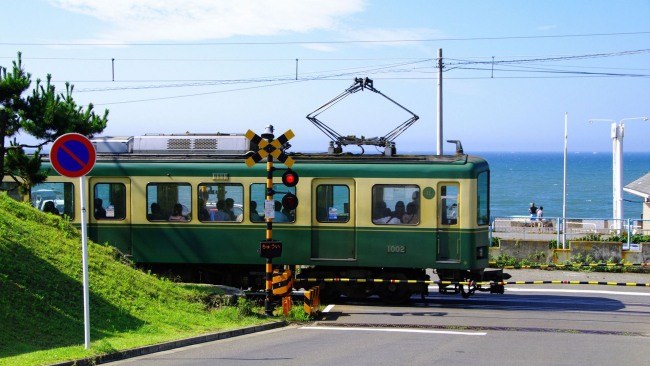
point(521, 178)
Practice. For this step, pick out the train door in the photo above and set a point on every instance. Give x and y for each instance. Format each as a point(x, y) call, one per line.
point(333, 223)
point(110, 212)
point(448, 223)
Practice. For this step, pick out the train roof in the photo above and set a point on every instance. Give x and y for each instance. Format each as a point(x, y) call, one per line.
point(191, 155)
point(225, 147)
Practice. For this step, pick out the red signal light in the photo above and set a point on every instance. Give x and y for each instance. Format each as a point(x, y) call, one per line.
point(290, 201)
point(290, 178)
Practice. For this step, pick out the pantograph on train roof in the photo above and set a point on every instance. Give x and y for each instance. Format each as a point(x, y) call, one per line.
point(387, 141)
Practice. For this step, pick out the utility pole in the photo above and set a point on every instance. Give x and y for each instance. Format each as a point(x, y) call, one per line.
point(439, 129)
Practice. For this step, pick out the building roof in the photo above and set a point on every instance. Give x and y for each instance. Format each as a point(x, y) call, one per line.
point(640, 187)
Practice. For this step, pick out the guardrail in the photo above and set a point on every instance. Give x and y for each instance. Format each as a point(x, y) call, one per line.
point(523, 227)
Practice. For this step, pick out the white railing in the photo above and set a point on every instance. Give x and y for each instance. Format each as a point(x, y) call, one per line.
point(523, 227)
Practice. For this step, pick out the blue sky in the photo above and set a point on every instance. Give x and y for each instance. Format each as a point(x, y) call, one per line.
point(512, 68)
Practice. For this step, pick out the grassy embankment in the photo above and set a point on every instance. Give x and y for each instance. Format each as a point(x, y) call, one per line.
point(41, 296)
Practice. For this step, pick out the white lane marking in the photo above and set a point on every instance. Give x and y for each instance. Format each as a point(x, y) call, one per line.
point(328, 308)
point(581, 291)
point(625, 293)
point(398, 330)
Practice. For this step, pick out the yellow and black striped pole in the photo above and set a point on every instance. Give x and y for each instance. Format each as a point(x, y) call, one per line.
point(269, 248)
point(268, 304)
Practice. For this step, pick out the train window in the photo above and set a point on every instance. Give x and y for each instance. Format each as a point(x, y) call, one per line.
point(169, 202)
point(449, 204)
point(332, 203)
point(56, 198)
point(109, 201)
point(258, 196)
point(389, 204)
point(483, 199)
point(220, 202)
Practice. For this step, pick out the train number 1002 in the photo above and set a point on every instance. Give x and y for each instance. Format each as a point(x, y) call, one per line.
point(396, 249)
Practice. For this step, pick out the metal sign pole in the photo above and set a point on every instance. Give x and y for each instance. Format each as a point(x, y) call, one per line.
point(73, 155)
point(84, 250)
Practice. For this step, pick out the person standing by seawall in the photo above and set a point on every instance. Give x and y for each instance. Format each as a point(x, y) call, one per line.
point(532, 211)
point(540, 216)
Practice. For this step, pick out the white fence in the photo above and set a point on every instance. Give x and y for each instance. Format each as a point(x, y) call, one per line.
point(522, 227)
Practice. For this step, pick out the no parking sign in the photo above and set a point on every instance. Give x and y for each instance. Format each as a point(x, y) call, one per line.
point(73, 155)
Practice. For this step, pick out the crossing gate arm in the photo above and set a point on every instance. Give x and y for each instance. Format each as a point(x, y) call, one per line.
point(477, 283)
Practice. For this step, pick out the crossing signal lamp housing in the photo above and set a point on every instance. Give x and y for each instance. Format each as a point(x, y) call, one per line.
point(290, 201)
point(290, 178)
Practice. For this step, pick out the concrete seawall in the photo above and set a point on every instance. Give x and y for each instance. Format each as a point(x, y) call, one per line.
point(538, 251)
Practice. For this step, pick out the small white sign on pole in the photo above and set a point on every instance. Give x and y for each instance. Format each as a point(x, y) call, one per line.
point(269, 209)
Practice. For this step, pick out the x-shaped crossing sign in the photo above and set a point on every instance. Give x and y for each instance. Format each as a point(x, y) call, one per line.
point(267, 148)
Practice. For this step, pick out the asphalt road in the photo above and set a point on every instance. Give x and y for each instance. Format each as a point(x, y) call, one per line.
point(529, 324)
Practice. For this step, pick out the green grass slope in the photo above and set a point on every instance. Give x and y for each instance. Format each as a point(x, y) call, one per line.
point(41, 295)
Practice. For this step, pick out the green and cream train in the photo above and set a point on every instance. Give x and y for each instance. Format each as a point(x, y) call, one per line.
point(188, 205)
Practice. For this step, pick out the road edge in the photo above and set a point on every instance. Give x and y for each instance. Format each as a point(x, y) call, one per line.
point(165, 346)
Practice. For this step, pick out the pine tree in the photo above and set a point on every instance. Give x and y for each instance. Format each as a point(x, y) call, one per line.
point(44, 115)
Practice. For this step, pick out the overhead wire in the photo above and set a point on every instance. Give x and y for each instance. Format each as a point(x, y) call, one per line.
point(406, 65)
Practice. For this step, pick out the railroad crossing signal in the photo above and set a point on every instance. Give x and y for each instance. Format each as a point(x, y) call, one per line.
point(267, 148)
point(272, 148)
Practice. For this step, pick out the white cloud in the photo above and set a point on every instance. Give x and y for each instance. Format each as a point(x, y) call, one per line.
point(192, 20)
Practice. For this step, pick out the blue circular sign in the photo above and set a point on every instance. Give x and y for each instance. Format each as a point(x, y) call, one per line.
point(73, 155)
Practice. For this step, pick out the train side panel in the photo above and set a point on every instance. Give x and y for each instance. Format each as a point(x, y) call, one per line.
point(335, 224)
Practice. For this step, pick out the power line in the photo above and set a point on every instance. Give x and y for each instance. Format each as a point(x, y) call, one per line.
point(412, 66)
point(408, 65)
point(545, 59)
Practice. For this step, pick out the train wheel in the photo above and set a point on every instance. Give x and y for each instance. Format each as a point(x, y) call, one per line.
point(464, 293)
point(395, 293)
point(470, 291)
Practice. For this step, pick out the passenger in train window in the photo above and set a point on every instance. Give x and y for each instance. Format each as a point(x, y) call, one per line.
point(100, 212)
point(381, 214)
point(156, 212)
point(255, 216)
point(279, 215)
point(49, 207)
point(415, 199)
point(399, 210)
point(411, 216)
point(221, 214)
point(230, 203)
point(177, 213)
point(204, 214)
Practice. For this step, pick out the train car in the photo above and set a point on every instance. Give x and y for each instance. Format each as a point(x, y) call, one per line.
point(188, 206)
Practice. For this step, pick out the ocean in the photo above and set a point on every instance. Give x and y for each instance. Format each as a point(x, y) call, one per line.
point(519, 178)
